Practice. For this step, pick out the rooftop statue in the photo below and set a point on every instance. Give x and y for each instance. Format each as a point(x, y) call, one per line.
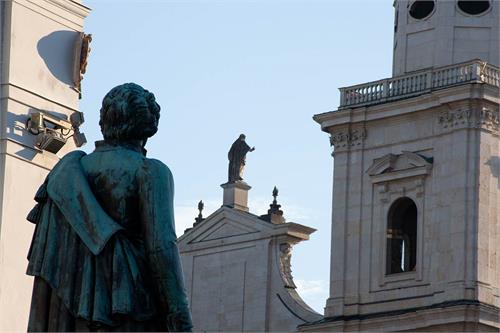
point(237, 157)
point(104, 253)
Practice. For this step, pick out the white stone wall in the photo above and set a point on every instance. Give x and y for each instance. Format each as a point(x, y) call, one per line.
point(458, 246)
point(447, 36)
point(235, 277)
point(36, 68)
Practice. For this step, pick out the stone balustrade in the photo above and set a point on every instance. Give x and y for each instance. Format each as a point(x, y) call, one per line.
point(419, 82)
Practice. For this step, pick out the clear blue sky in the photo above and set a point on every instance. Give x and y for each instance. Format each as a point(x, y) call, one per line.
point(263, 68)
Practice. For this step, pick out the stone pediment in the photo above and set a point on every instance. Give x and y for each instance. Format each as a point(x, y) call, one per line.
point(224, 230)
point(396, 166)
point(225, 224)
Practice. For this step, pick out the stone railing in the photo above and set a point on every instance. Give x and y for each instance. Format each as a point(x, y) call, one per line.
point(419, 82)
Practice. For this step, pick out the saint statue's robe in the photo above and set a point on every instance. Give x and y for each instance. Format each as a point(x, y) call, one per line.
point(237, 156)
point(104, 251)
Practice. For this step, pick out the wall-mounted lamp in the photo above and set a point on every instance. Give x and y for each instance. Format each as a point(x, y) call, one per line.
point(53, 132)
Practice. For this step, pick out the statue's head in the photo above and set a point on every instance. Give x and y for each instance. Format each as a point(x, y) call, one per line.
point(242, 137)
point(129, 112)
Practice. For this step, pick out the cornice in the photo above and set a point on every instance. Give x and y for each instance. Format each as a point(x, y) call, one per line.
point(72, 6)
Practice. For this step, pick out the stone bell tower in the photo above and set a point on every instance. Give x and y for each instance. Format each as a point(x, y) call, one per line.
point(441, 33)
point(42, 55)
point(416, 190)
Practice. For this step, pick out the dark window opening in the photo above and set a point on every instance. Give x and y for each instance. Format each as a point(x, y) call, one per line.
point(420, 9)
point(402, 237)
point(474, 7)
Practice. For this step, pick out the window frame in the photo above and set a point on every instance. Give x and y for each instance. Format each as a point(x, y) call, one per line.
point(394, 176)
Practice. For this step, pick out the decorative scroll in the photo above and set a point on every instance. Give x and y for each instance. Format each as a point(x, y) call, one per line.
point(286, 266)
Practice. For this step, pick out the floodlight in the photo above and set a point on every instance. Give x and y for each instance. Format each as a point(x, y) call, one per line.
point(79, 138)
point(53, 132)
point(76, 119)
point(50, 140)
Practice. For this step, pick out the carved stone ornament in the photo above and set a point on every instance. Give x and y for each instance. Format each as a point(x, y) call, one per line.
point(489, 119)
point(285, 265)
point(398, 174)
point(82, 51)
point(348, 138)
point(483, 118)
point(393, 167)
point(454, 118)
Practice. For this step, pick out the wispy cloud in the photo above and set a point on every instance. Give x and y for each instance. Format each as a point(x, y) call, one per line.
point(314, 292)
point(295, 213)
point(312, 287)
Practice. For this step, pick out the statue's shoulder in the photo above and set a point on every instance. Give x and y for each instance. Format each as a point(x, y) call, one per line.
point(154, 167)
point(75, 154)
point(70, 158)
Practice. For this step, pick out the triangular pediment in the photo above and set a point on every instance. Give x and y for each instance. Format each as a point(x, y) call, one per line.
point(224, 230)
point(392, 163)
point(391, 167)
point(226, 224)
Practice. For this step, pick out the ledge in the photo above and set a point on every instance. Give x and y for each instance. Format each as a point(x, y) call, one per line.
point(443, 305)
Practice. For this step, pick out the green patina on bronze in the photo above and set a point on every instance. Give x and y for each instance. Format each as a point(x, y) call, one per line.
point(104, 252)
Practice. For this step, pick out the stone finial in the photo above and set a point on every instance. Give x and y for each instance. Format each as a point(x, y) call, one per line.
point(274, 214)
point(200, 218)
point(274, 206)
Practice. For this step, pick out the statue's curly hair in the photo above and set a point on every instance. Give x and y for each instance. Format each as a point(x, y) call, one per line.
point(129, 112)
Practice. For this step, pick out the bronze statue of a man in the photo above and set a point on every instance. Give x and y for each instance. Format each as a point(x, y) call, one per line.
point(237, 157)
point(104, 253)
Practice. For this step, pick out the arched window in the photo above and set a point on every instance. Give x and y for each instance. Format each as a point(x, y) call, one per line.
point(401, 236)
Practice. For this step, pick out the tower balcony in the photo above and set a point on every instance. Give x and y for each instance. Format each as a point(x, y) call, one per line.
point(419, 82)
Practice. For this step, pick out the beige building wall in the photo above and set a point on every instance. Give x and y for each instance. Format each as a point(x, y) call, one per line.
point(237, 269)
point(36, 73)
point(456, 190)
point(447, 35)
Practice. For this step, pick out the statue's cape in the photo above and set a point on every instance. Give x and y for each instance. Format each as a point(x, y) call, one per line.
point(68, 188)
point(238, 150)
point(73, 249)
